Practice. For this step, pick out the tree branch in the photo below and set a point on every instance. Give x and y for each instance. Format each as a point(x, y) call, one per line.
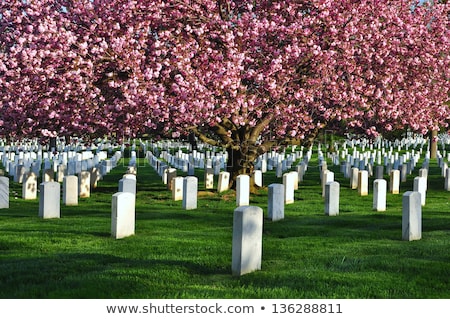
point(256, 131)
point(220, 130)
point(203, 137)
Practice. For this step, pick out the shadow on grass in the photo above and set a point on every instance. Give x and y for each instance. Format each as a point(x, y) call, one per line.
point(92, 276)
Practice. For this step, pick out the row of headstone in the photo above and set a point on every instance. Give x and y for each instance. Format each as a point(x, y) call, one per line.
point(379, 190)
point(248, 225)
point(360, 182)
point(168, 174)
point(69, 163)
point(74, 186)
point(50, 193)
point(123, 204)
point(187, 162)
point(86, 179)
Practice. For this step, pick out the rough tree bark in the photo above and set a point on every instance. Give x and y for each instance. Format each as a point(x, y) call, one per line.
point(433, 145)
point(244, 147)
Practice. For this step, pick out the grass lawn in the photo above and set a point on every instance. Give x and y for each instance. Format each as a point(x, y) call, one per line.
point(187, 254)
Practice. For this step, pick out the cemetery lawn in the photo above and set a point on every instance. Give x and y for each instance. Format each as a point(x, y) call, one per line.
point(187, 254)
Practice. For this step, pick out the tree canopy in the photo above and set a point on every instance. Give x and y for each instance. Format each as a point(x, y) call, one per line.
point(240, 74)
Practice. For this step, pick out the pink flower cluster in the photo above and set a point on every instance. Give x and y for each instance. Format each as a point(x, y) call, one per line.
point(94, 67)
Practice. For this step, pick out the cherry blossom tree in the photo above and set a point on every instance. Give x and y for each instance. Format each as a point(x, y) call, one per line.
point(243, 75)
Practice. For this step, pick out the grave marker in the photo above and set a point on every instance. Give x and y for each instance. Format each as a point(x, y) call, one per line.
point(420, 185)
point(224, 181)
point(242, 190)
point(29, 186)
point(48, 175)
point(49, 200)
point(127, 185)
point(363, 183)
point(288, 182)
point(403, 172)
point(327, 176)
point(70, 190)
point(209, 178)
point(61, 172)
point(258, 178)
point(354, 178)
point(247, 240)
point(394, 184)
point(84, 180)
point(423, 172)
point(171, 174)
point(4, 192)
point(275, 208)
point(379, 195)
point(301, 169)
point(411, 216)
point(190, 189)
point(332, 198)
point(379, 172)
point(177, 188)
point(123, 215)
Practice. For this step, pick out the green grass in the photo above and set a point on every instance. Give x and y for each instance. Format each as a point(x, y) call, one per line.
point(187, 254)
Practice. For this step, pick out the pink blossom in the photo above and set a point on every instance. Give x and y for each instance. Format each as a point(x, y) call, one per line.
point(176, 64)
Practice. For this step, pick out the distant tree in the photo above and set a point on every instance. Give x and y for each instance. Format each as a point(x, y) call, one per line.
point(244, 75)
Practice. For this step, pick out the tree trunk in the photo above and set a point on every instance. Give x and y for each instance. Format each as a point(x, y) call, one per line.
point(52, 144)
point(433, 144)
point(242, 162)
point(241, 144)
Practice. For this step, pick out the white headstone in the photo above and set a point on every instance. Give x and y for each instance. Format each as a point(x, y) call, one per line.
point(379, 172)
point(224, 181)
point(242, 190)
point(61, 172)
point(84, 180)
point(327, 176)
point(394, 183)
point(49, 200)
point(288, 182)
point(301, 169)
point(48, 175)
point(423, 172)
point(354, 178)
point(247, 240)
point(132, 170)
point(4, 192)
point(190, 190)
point(127, 185)
point(209, 178)
point(258, 178)
point(263, 166)
point(129, 176)
point(379, 195)
point(363, 183)
point(403, 172)
point(420, 185)
point(411, 216)
point(275, 208)
point(332, 198)
point(279, 170)
point(177, 188)
point(171, 173)
point(123, 215)
point(95, 177)
point(21, 171)
point(70, 190)
point(444, 167)
point(29, 186)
